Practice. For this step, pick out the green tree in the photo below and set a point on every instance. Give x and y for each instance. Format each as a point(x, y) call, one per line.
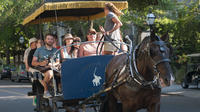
point(12, 13)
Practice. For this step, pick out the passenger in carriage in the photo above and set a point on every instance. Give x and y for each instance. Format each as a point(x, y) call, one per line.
point(41, 61)
point(74, 49)
point(40, 43)
point(89, 49)
point(111, 28)
point(32, 43)
point(68, 40)
point(56, 44)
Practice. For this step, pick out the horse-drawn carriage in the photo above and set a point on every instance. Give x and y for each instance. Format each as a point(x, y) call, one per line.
point(101, 82)
point(90, 82)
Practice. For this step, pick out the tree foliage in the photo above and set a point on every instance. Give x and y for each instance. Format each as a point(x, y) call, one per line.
point(180, 19)
point(12, 13)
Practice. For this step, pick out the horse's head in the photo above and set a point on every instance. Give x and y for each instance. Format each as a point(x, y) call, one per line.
point(160, 52)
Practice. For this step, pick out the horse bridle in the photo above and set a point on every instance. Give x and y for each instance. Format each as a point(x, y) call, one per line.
point(136, 75)
point(162, 49)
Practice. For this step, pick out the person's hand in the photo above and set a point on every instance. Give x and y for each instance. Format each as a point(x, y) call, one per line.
point(27, 68)
point(44, 63)
point(107, 33)
point(101, 29)
point(55, 65)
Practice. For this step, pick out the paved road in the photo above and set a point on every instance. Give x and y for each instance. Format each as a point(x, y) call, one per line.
point(174, 99)
point(13, 97)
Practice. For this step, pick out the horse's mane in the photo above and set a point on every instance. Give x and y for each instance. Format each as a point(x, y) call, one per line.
point(140, 53)
point(143, 57)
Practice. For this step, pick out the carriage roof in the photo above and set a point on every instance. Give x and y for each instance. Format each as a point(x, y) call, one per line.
point(71, 10)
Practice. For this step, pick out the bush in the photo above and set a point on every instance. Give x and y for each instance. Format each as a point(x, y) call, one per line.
point(179, 73)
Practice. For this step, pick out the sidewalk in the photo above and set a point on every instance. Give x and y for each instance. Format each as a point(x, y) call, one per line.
point(175, 89)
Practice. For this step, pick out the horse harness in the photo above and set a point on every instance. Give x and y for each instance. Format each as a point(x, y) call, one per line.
point(135, 77)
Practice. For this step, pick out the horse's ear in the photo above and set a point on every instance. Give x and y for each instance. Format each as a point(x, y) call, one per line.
point(165, 37)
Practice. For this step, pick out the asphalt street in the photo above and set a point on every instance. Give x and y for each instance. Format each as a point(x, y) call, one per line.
point(13, 98)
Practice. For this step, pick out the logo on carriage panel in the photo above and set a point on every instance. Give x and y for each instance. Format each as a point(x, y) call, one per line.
point(96, 80)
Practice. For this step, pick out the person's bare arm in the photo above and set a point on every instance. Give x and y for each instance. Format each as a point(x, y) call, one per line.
point(118, 24)
point(26, 64)
point(81, 51)
point(26, 60)
point(36, 63)
point(62, 53)
point(102, 30)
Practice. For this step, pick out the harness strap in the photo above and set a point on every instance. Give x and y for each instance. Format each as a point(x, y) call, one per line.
point(161, 61)
point(119, 72)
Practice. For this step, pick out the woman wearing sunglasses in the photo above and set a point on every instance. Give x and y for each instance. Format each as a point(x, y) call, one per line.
point(89, 49)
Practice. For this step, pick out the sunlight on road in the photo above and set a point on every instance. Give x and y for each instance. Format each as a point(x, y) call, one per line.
point(12, 92)
point(15, 97)
point(15, 86)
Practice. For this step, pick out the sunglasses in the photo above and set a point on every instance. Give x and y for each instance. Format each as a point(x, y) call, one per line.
point(91, 33)
point(76, 41)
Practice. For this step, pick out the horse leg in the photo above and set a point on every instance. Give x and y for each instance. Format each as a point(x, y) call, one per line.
point(112, 104)
point(154, 108)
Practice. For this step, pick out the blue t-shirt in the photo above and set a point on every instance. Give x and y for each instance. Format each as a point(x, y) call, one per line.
point(43, 53)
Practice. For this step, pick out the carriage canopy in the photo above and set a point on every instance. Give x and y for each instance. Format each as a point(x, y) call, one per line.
point(70, 10)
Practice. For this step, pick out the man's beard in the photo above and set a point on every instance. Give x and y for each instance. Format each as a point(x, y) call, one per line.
point(50, 45)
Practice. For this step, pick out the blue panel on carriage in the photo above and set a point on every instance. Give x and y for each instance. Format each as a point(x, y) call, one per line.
point(82, 77)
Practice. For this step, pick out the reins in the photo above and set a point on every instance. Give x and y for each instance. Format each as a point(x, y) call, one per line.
point(109, 40)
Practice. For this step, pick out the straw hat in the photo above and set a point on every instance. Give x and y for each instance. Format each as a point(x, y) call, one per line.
point(32, 40)
point(68, 36)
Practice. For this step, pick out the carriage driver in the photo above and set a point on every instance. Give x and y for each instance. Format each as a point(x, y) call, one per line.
point(111, 28)
point(41, 62)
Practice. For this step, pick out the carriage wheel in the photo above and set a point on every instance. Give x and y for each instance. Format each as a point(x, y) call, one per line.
point(46, 105)
point(38, 104)
point(54, 107)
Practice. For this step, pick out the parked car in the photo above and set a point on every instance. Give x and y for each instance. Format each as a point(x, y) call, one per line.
point(192, 76)
point(5, 73)
point(20, 74)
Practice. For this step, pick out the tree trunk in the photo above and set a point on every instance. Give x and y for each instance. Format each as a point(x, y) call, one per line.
point(7, 56)
point(14, 58)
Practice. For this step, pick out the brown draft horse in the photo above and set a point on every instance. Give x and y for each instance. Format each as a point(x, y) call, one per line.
point(152, 58)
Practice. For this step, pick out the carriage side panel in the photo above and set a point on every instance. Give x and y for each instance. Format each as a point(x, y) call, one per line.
point(82, 77)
